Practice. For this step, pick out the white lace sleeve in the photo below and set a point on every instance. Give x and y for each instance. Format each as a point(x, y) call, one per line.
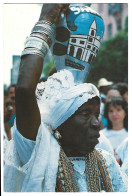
point(124, 166)
point(24, 146)
point(104, 143)
point(119, 178)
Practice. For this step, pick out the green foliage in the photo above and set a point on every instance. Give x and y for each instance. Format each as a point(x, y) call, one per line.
point(126, 25)
point(112, 60)
point(47, 67)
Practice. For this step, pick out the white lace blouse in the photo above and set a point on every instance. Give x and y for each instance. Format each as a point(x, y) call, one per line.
point(24, 162)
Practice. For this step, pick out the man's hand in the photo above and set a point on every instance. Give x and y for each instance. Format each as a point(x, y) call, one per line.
point(28, 116)
point(51, 12)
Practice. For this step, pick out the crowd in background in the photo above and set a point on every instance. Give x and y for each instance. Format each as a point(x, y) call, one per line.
point(9, 110)
point(113, 115)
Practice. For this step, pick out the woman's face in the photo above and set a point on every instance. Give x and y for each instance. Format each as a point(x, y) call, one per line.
point(81, 131)
point(116, 114)
point(125, 96)
point(112, 93)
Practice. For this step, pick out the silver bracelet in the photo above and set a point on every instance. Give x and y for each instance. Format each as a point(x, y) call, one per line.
point(45, 28)
point(44, 31)
point(38, 45)
point(44, 22)
point(34, 45)
point(44, 38)
point(35, 51)
point(40, 39)
point(36, 42)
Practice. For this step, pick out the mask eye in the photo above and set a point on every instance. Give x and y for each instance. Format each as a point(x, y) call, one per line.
point(62, 34)
point(59, 49)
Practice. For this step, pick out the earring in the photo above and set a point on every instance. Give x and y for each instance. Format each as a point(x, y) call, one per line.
point(57, 135)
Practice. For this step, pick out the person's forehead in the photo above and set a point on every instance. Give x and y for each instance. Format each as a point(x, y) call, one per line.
point(113, 92)
point(11, 89)
point(92, 104)
point(115, 105)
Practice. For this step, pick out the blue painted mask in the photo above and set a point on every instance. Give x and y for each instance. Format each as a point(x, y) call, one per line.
point(78, 37)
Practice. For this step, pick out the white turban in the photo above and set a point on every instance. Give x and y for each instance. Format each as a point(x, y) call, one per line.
point(59, 97)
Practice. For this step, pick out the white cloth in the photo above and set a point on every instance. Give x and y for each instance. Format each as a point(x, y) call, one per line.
point(5, 141)
point(31, 177)
point(104, 144)
point(58, 98)
point(115, 137)
point(80, 175)
point(122, 151)
point(124, 166)
point(60, 94)
point(39, 173)
point(102, 105)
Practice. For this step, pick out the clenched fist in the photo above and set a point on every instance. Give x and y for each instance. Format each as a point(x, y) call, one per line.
point(51, 12)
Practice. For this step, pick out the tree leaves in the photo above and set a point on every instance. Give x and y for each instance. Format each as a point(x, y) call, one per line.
point(112, 60)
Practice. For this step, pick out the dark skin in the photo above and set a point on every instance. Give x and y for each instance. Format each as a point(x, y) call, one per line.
point(9, 109)
point(27, 112)
point(79, 132)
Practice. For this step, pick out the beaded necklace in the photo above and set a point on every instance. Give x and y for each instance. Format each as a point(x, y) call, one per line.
point(98, 178)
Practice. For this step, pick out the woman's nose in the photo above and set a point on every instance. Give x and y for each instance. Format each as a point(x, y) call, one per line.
point(114, 113)
point(94, 122)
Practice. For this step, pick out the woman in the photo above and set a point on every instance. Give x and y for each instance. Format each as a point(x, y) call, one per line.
point(54, 135)
point(123, 88)
point(116, 112)
point(113, 91)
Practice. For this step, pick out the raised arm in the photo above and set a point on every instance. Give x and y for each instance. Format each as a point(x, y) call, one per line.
point(27, 112)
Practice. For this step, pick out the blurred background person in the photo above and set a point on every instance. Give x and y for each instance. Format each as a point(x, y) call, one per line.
point(103, 86)
point(116, 112)
point(9, 109)
point(11, 95)
point(11, 91)
point(5, 94)
point(5, 97)
point(113, 91)
point(123, 88)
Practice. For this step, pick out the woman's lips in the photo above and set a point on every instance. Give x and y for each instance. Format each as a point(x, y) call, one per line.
point(115, 118)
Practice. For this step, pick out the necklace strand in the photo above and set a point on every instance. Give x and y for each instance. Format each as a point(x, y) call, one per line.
point(96, 172)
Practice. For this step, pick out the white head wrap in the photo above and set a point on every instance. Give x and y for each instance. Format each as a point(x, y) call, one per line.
point(59, 97)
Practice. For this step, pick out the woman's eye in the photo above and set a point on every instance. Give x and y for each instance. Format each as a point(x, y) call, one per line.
point(84, 113)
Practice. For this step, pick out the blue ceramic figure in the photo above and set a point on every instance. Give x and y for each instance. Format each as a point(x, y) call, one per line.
point(78, 37)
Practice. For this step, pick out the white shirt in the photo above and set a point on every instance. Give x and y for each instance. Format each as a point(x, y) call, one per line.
point(115, 137)
point(122, 151)
point(104, 143)
point(29, 175)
